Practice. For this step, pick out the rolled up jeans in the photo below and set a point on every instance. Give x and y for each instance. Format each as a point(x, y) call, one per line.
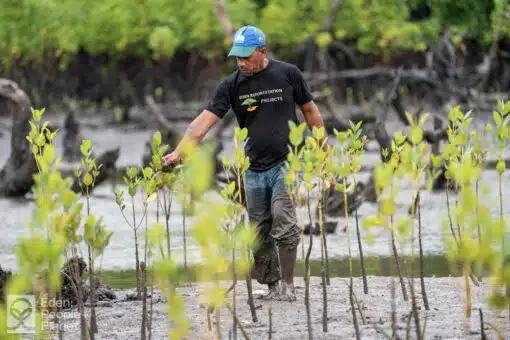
point(271, 211)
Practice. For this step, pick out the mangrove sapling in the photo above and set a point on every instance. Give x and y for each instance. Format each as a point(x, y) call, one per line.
point(355, 152)
point(149, 186)
point(323, 170)
point(415, 164)
point(456, 150)
point(208, 230)
point(233, 196)
point(301, 161)
point(166, 183)
point(347, 164)
point(96, 236)
point(53, 228)
point(293, 167)
point(166, 274)
point(501, 118)
point(385, 174)
point(479, 156)
point(458, 156)
point(132, 181)
point(186, 201)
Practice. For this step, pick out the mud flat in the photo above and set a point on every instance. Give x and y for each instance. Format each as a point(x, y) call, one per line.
point(121, 319)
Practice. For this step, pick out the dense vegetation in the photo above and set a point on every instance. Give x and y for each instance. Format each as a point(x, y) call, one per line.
point(87, 48)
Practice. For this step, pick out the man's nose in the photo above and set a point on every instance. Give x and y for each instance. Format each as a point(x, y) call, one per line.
point(241, 62)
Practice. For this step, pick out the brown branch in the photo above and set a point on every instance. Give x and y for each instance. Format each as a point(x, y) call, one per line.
point(221, 13)
point(484, 84)
point(327, 25)
point(156, 111)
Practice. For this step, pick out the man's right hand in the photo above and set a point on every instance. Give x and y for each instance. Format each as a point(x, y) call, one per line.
point(172, 158)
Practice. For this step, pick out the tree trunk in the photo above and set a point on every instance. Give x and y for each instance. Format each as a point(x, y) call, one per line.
point(16, 175)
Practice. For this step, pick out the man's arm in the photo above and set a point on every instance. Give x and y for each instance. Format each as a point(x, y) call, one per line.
point(313, 118)
point(195, 133)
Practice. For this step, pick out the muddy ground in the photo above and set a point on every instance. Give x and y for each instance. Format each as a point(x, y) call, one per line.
point(121, 319)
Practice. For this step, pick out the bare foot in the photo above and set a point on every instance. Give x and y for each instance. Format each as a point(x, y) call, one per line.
point(288, 292)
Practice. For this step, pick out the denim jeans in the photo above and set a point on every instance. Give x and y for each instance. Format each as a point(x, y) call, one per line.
point(271, 211)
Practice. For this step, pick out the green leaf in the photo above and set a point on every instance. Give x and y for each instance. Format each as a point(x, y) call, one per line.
point(416, 135)
point(501, 166)
point(231, 187)
point(85, 147)
point(497, 118)
point(156, 141)
point(87, 179)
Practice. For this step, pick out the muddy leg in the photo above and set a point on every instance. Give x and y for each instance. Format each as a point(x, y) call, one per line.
point(285, 231)
point(266, 268)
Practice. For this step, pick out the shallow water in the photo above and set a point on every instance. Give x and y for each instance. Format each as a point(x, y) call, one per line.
point(14, 214)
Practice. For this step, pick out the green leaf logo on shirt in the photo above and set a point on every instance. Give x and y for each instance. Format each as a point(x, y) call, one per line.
point(249, 102)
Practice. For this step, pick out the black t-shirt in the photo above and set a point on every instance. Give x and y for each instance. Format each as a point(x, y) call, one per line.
point(263, 103)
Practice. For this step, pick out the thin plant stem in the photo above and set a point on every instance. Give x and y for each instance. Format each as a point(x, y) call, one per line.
point(234, 302)
point(324, 285)
point(482, 329)
point(323, 236)
point(393, 310)
point(351, 292)
point(167, 209)
point(362, 259)
point(239, 324)
point(307, 276)
point(450, 213)
point(353, 309)
point(184, 238)
point(218, 324)
point(397, 261)
point(411, 279)
point(251, 302)
point(422, 265)
point(137, 255)
point(92, 283)
point(500, 187)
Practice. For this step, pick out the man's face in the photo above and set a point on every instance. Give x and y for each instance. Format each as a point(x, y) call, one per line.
point(253, 63)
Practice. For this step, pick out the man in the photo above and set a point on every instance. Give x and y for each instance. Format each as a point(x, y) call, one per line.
point(263, 94)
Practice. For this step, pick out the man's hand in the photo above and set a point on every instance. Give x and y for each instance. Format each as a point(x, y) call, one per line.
point(172, 158)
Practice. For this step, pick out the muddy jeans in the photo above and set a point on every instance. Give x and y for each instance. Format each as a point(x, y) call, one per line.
point(270, 209)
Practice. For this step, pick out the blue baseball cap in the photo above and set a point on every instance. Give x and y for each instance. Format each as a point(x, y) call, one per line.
point(246, 40)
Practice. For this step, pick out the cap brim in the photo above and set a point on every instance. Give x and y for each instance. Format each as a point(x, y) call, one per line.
point(241, 51)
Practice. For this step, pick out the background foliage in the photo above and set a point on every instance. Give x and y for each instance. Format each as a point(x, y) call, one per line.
point(33, 29)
